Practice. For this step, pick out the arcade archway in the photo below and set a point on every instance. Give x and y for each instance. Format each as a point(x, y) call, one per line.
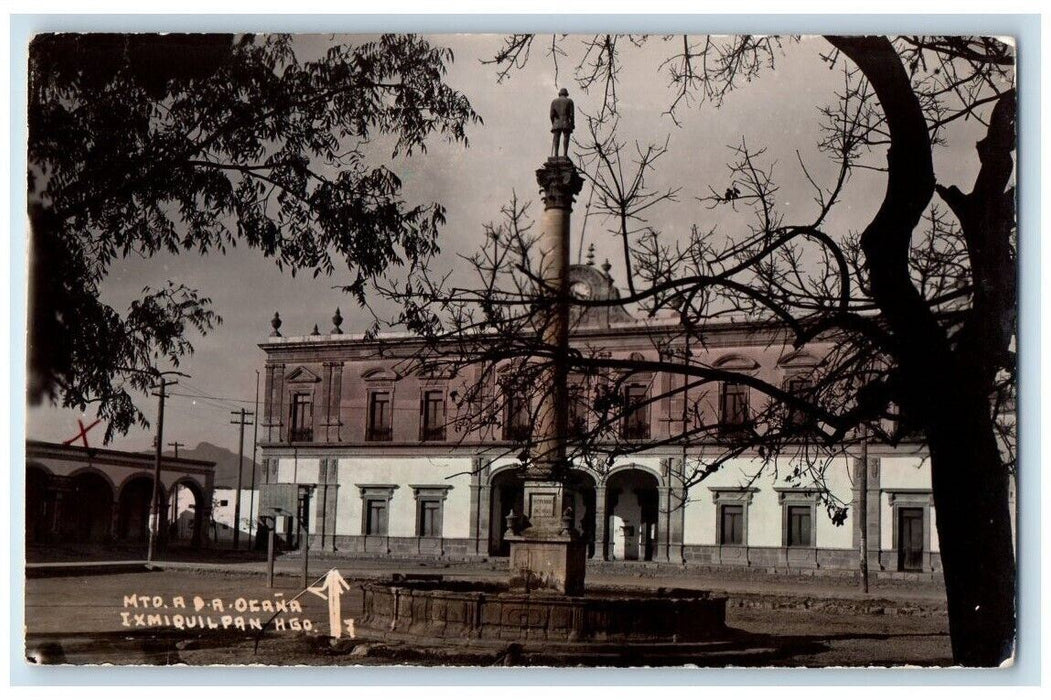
point(580, 495)
point(506, 497)
point(185, 514)
point(92, 518)
point(631, 507)
point(133, 513)
point(39, 504)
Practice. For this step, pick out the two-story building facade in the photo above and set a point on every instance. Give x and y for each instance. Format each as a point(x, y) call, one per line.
point(391, 475)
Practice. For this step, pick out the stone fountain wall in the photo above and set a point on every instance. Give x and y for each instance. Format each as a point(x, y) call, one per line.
point(421, 611)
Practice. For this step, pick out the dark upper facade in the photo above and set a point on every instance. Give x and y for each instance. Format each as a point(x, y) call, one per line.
point(336, 389)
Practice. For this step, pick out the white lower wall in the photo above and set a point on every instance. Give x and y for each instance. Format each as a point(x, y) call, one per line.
point(903, 473)
point(297, 470)
point(405, 472)
point(764, 513)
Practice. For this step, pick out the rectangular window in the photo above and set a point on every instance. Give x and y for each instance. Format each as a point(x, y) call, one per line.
point(375, 516)
point(796, 417)
point(379, 426)
point(733, 406)
point(430, 501)
point(578, 407)
point(433, 418)
point(430, 519)
point(731, 524)
point(517, 417)
point(302, 422)
point(799, 526)
point(636, 425)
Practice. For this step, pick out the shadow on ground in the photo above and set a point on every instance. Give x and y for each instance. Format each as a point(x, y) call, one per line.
point(170, 647)
point(86, 553)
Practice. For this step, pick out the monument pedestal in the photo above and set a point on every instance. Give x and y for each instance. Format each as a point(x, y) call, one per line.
point(550, 553)
point(548, 564)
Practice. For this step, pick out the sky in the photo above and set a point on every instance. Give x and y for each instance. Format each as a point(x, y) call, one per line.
point(778, 110)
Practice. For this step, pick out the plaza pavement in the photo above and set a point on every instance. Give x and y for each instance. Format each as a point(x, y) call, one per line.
point(805, 585)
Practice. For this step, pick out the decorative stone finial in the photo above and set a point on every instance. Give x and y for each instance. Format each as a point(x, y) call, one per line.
point(512, 522)
point(315, 331)
point(591, 254)
point(275, 322)
point(567, 521)
point(606, 267)
point(337, 322)
point(563, 119)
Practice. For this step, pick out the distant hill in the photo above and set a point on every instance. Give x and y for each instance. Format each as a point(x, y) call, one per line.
point(225, 464)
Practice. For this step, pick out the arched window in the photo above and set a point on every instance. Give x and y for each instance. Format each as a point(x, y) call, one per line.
point(379, 418)
point(798, 368)
point(432, 415)
point(734, 410)
point(734, 396)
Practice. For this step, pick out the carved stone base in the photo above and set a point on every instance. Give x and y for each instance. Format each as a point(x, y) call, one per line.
point(548, 554)
point(547, 563)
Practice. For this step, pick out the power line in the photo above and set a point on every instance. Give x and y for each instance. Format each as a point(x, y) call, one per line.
point(191, 414)
point(207, 392)
point(217, 398)
point(214, 403)
point(203, 394)
point(208, 406)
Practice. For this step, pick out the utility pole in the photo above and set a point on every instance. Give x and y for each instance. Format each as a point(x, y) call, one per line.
point(255, 444)
point(175, 489)
point(304, 524)
point(240, 464)
point(863, 506)
point(158, 442)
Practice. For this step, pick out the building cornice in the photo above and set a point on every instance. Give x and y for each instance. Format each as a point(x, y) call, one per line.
point(38, 449)
point(490, 449)
point(722, 334)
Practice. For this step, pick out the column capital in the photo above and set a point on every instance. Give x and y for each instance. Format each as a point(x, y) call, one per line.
point(560, 183)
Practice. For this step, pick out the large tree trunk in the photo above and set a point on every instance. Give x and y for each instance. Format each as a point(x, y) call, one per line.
point(944, 391)
point(970, 486)
point(970, 478)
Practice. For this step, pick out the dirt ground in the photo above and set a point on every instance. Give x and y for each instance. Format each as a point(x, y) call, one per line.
point(93, 619)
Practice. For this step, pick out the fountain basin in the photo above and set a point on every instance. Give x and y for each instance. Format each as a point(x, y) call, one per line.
point(466, 610)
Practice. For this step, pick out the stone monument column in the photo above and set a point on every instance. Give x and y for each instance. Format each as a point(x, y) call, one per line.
point(560, 182)
point(548, 553)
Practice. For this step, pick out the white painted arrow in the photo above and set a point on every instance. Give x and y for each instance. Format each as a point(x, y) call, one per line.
point(331, 589)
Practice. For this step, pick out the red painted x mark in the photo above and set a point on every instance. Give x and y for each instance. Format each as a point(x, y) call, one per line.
point(83, 435)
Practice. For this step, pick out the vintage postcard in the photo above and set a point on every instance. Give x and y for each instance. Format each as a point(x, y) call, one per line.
point(521, 350)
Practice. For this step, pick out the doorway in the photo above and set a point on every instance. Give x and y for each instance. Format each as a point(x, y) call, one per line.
point(910, 539)
point(134, 505)
point(631, 507)
point(506, 497)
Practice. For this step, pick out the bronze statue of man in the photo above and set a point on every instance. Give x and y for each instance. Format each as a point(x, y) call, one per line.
point(562, 122)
